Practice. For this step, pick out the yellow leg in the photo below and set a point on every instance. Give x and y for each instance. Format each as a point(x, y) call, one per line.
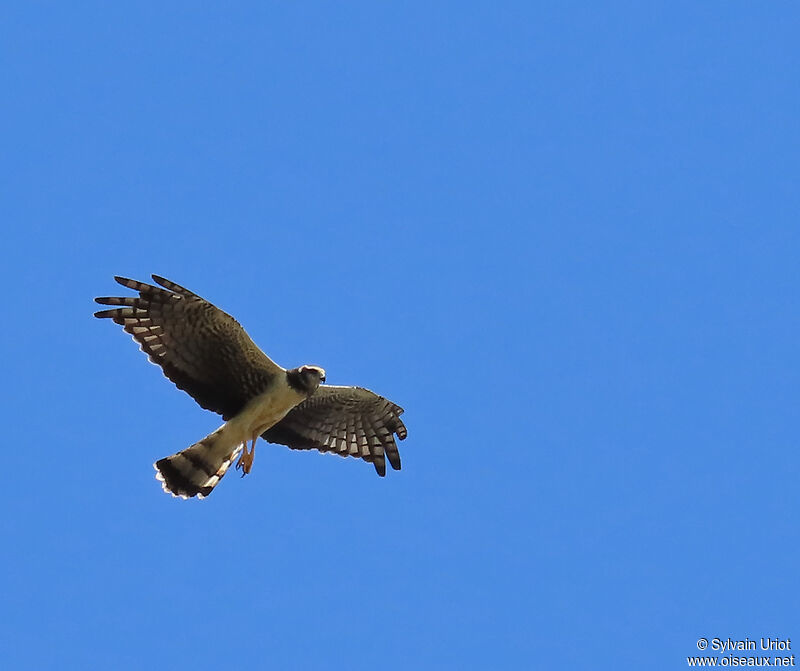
point(246, 458)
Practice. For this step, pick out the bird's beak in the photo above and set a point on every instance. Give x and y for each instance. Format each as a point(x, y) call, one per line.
point(322, 379)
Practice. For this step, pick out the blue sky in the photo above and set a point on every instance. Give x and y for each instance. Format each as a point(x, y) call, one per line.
point(562, 235)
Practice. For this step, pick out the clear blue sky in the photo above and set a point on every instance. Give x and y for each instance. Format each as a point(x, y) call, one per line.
point(564, 236)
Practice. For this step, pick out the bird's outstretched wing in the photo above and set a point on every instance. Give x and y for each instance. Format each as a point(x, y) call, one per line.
point(203, 350)
point(348, 421)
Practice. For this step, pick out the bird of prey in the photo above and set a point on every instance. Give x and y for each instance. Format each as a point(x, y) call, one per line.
point(207, 353)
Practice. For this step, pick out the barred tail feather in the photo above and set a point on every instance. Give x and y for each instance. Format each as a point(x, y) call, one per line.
point(196, 470)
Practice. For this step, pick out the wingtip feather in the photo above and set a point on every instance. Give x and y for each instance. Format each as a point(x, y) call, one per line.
point(172, 286)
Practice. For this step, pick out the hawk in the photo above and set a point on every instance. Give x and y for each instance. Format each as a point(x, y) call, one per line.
point(208, 354)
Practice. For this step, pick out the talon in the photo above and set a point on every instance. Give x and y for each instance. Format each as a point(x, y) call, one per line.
point(245, 462)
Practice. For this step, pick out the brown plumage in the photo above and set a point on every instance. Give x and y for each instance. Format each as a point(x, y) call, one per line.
point(349, 421)
point(207, 353)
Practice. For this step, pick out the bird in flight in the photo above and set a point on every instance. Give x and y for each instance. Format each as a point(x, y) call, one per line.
point(208, 354)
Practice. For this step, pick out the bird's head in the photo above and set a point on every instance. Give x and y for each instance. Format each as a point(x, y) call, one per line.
point(306, 378)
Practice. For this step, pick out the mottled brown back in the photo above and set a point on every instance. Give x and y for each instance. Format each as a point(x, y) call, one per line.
point(202, 349)
point(348, 421)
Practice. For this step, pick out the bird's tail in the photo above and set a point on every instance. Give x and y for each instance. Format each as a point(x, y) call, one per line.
point(196, 470)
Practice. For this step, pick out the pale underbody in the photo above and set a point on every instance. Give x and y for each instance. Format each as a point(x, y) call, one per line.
point(220, 447)
point(260, 414)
